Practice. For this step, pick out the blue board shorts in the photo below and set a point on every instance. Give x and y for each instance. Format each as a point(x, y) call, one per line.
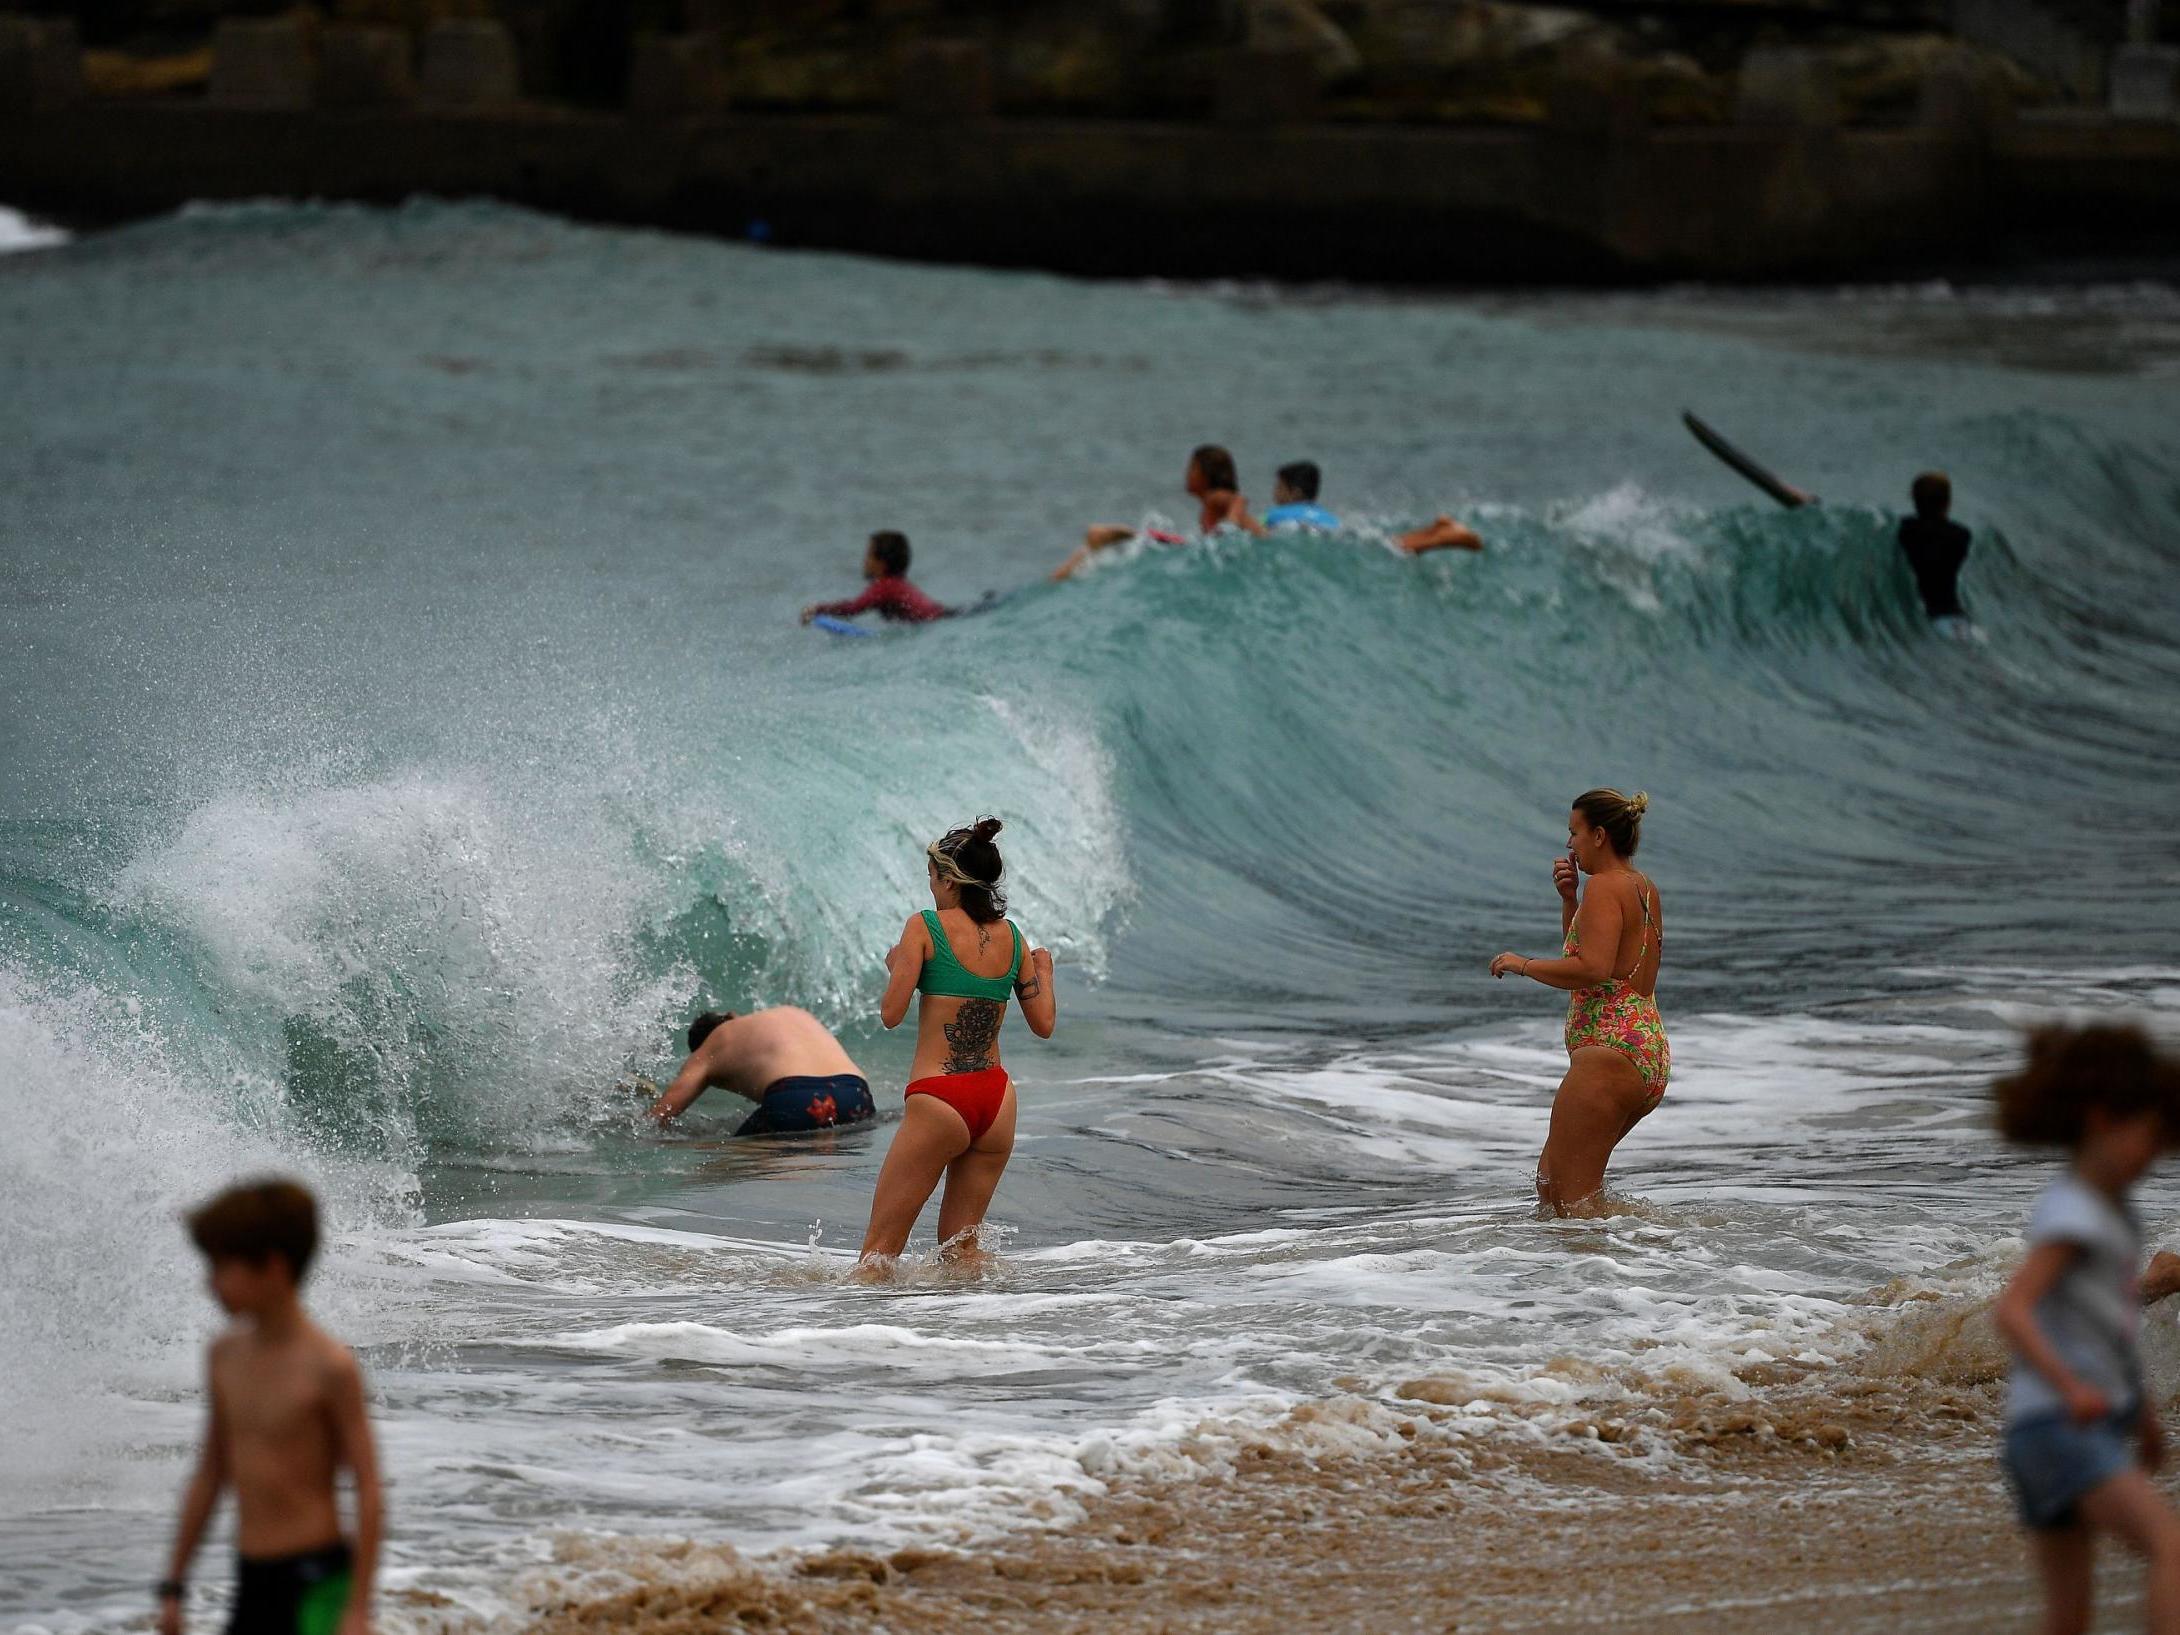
point(811, 1103)
point(2054, 1463)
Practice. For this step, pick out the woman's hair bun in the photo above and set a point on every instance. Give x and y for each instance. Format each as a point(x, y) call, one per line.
point(985, 827)
point(1639, 804)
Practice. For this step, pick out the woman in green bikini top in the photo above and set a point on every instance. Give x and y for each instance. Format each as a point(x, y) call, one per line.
point(1618, 1059)
point(958, 1118)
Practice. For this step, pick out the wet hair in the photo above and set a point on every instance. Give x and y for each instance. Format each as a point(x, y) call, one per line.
point(257, 1221)
point(1620, 816)
point(1215, 465)
point(701, 1028)
point(1303, 477)
point(1933, 494)
point(971, 861)
point(2070, 1071)
point(891, 549)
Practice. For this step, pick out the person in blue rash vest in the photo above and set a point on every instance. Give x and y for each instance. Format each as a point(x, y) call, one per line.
point(1294, 500)
point(783, 1059)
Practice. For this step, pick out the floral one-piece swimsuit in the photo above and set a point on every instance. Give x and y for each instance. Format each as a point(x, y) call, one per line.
point(1614, 1015)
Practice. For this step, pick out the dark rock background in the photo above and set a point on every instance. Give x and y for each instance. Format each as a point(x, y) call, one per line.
point(1407, 61)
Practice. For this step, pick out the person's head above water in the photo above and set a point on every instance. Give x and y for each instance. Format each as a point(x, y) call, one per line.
point(965, 871)
point(1210, 471)
point(1933, 495)
point(887, 555)
point(2105, 1083)
point(1297, 484)
point(260, 1237)
point(701, 1028)
point(1605, 823)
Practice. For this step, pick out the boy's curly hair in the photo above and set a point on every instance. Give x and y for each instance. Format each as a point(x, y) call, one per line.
point(2073, 1069)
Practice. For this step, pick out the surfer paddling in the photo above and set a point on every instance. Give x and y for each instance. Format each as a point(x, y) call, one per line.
point(1210, 481)
point(965, 958)
point(286, 1416)
point(887, 591)
point(1617, 1056)
point(783, 1059)
point(2082, 1436)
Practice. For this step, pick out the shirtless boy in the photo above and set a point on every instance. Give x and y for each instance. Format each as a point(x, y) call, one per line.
point(286, 1417)
point(783, 1059)
point(1211, 482)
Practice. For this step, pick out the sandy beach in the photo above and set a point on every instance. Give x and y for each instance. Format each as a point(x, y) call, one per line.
point(1861, 1498)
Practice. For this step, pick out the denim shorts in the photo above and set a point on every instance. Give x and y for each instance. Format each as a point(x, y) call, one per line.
point(2054, 1463)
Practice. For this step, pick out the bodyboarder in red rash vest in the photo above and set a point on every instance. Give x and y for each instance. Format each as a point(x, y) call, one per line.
point(887, 592)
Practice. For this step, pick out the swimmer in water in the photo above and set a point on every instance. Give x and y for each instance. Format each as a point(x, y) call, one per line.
point(1936, 547)
point(1617, 1056)
point(1210, 481)
point(886, 591)
point(783, 1059)
point(1294, 500)
point(965, 957)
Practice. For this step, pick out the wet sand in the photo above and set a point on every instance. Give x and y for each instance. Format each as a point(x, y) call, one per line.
point(1822, 1500)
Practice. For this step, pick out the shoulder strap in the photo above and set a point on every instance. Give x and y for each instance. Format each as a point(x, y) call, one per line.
point(942, 951)
point(1015, 969)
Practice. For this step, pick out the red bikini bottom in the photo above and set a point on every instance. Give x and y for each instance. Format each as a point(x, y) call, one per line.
point(975, 1096)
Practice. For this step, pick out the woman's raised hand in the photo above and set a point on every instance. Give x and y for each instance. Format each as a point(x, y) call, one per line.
point(1566, 878)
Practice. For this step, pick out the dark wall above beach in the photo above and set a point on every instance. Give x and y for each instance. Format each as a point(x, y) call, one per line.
point(1431, 61)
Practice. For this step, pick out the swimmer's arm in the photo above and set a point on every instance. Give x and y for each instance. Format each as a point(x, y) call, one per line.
point(904, 965)
point(2014, 1314)
point(1098, 537)
point(1585, 968)
point(1035, 994)
point(1443, 534)
point(199, 1500)
point(1237, 512)
point(692, 1081)
point(352, 1432)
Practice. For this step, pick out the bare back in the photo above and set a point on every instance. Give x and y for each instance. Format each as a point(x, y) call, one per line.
point(962, 1035)
point(1641, 947)
point(781, 1042)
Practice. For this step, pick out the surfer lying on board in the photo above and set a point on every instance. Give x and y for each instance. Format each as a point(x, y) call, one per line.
point(1617, 1056)
point(965, 957)
point(887, 592)
point(1210, 480)
point(783, 1059)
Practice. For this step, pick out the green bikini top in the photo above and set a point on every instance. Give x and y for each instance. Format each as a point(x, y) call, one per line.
point(945, 977)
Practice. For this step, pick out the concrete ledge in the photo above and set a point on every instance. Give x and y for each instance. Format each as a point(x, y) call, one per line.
point(673, 75)
point(2146, 82)
point(469, 62)
point(262, 63)
point(362, 67)
point(41, 65)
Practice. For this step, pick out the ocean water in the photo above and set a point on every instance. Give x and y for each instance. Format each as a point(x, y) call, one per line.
point(404, 727)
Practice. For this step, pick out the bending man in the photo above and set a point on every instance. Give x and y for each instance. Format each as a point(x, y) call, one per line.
point(783, 1059)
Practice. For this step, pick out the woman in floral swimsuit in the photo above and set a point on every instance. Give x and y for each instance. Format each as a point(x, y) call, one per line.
point(1617, 1056)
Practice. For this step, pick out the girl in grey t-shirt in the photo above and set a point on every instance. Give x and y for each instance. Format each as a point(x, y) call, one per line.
point(2076, 1411)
